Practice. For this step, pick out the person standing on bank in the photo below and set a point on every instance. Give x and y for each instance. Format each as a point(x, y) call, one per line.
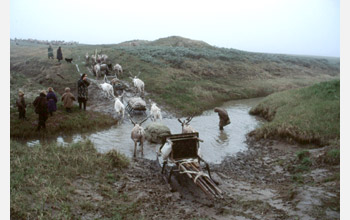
point(40, 104)
point(21, 105)
point(50, 52)
point(51, 101)
point(83, 90)
point(59, 54)
point(68, 99)
point(224, 119)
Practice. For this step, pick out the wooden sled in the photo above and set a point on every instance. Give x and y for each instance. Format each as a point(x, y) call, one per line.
point(184, 159)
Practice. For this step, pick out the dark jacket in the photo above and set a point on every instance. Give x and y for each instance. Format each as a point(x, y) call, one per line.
point(51, 101)
point(21, 104)
point(59, 54)
point(40, 104)
point(50, 51)
point(83, 89)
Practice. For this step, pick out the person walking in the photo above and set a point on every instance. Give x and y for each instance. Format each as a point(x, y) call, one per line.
point(224, 119)
point(21, 105)
point(68, 99)
point(51, 101)
point(83, 91)
point(50, 52)
point(59, 54)
point(40, 104)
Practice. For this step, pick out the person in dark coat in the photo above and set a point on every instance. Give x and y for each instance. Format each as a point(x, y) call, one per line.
point(83, 90)
point(50, 52)
point(51, 101)
point(21, 105)
point(224, 119)
point(40, 104)
point(59, 54)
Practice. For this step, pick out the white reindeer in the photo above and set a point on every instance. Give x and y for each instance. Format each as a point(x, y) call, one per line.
point(119, 107)
point(139, 84)
point(104, 58)
point(93, 59)
point(119, 70)
point(138, 135)
point(155, 112)
point(107, 90)
point(97, 70)
point(87, 58)
point(186, 127)
point(104, 67)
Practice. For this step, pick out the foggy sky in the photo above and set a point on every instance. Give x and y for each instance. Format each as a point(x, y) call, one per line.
point(310, 27)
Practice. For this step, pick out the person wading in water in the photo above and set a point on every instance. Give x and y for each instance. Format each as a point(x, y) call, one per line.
point(224, 119)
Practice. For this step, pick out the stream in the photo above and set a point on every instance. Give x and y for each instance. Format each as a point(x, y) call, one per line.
point(216, 146)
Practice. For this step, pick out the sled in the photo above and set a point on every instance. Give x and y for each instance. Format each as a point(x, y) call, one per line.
point(136, 105)
point(184, 159)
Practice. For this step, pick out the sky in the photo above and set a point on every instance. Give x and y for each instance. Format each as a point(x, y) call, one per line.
point(309, 27)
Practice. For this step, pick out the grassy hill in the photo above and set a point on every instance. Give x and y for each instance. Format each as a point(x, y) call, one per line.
point(185, 75)
point(306, 115)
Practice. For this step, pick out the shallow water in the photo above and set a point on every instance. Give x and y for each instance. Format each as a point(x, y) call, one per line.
point(216, 146)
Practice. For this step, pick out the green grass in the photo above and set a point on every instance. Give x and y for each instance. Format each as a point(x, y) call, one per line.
point(186, 76)
point(306, 115)
point(46, 182)
point(61, 122)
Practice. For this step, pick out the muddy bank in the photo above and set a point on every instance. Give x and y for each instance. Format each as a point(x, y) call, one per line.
point(258, 184)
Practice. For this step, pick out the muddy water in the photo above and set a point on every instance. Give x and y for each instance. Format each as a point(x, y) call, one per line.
point(216, 146)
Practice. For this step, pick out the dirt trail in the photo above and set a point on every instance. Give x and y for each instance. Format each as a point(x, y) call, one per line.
point(256, 185)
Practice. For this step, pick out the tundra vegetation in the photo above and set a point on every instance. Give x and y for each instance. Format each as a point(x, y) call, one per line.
point(187, 76)
point(306, 115)
point(182, 76)
point(46, 182)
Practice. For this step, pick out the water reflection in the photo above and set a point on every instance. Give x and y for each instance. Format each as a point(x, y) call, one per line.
point(216, 146)
point(223, 138)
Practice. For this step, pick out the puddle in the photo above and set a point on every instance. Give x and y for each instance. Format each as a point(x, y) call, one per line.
point(216, 146)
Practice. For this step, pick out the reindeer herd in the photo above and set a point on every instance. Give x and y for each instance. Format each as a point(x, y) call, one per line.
point(101, 64)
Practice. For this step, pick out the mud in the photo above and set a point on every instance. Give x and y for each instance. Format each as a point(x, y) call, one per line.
point(258, 183)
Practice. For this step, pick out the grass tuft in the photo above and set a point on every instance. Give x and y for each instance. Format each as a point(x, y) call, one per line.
point(306, 115)
point(46, 181)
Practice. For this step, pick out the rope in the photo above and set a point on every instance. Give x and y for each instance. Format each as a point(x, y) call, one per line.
point(198, 174)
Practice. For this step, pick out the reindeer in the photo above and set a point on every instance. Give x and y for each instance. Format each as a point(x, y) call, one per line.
point(155, 112)
point(118, 70)
point(186, 127)
point(119, 106)
point(107, 89)
point(138, 135)
point(138, 83)
point(87, 59)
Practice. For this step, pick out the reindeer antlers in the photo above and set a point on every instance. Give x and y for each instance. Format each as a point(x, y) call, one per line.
point(189, 119)
point(130, 74)
point(134, 123)
point(144, 120)
point(131, 120)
